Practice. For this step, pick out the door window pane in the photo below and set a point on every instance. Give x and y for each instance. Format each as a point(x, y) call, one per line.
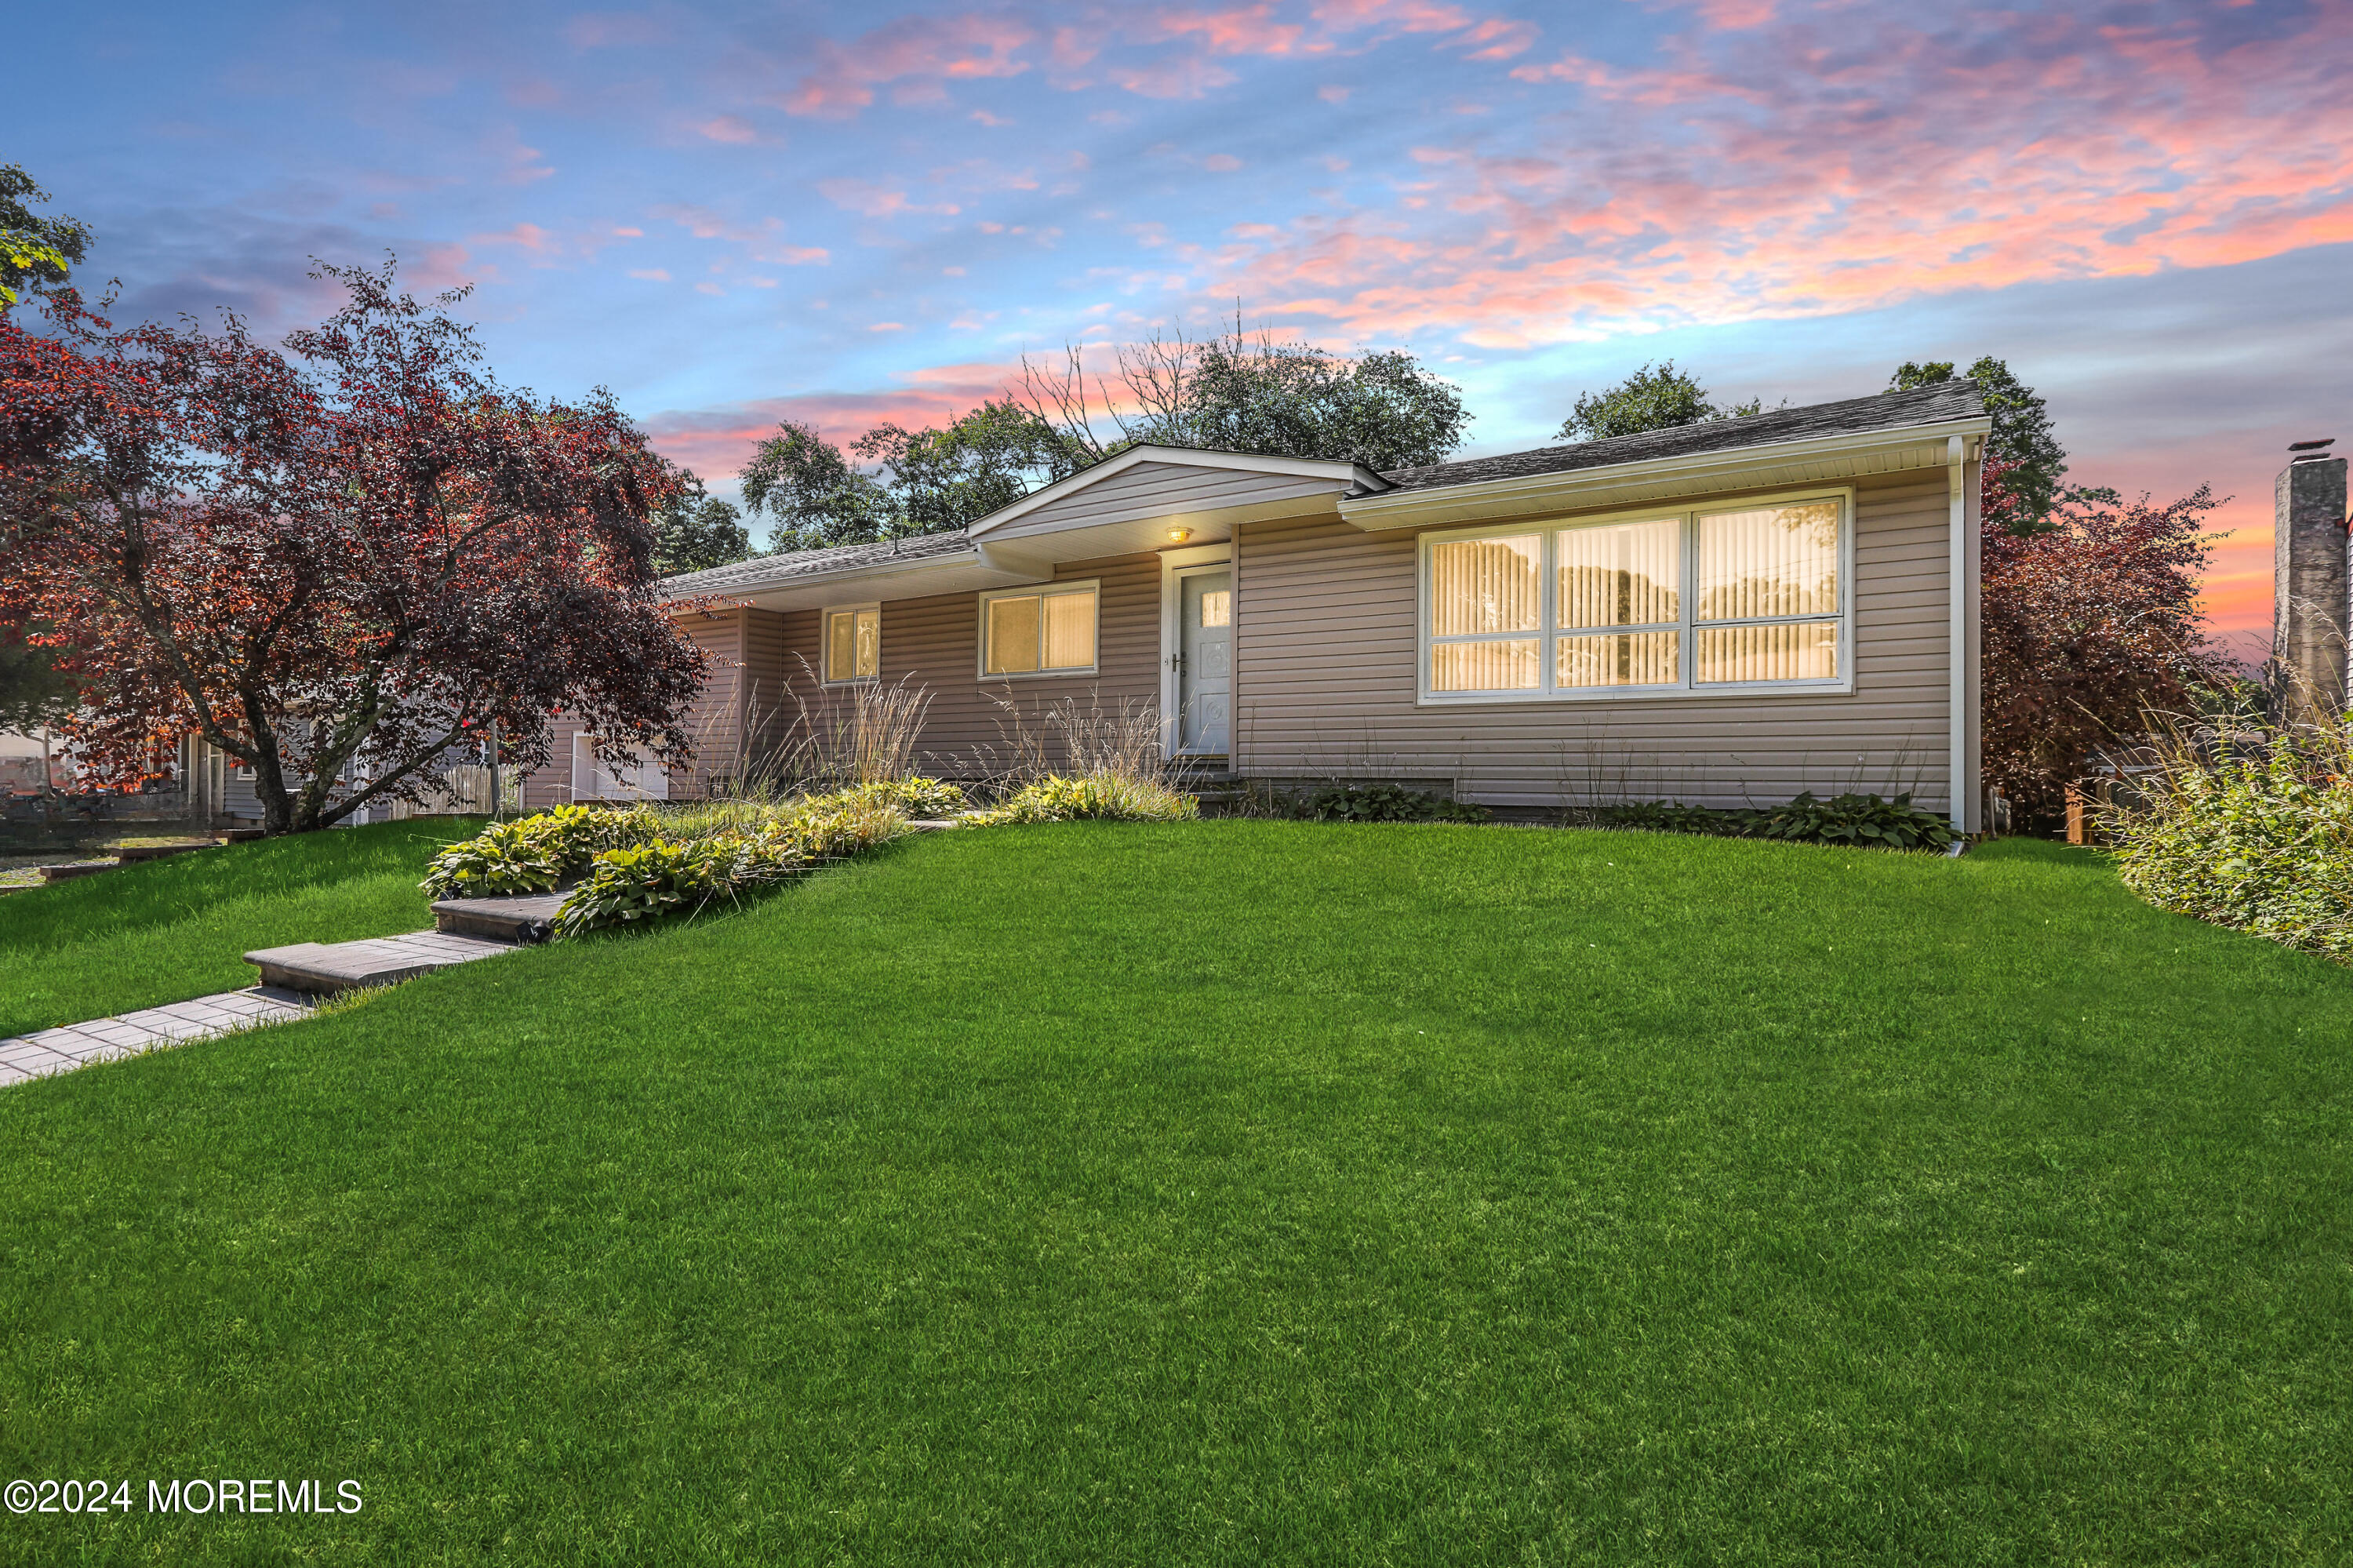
point(1768, 561)
point(1485, 585)
point(1070, 631)
point(1626, 659)
point(1626, 575)
point(1218, 607)
point(1012, 636)
point(1806, 651)
point(1502, 666)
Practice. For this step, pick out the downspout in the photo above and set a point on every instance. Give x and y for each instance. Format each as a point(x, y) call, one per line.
point(1956, 451)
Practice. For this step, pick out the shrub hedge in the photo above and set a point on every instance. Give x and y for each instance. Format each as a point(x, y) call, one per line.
point(2261, 843)
point(1852, 821)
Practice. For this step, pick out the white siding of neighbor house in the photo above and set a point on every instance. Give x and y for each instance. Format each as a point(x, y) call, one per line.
point(1153, 490)
point(1326, 682)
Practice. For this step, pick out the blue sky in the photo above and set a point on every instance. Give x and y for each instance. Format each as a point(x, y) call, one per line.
point(735, 214)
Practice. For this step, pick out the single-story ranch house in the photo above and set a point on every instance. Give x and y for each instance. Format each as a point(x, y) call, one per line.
point(1725, 614)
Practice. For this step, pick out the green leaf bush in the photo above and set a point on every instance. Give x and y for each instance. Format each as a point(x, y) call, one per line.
point(653, 879)
point(534, 854)
point(1348, 802)
point(2261, 843)
point(1091, 796)
point(1854, 822)
point(927, 799)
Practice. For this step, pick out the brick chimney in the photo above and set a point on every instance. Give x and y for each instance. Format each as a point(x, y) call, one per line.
point(2310, 587)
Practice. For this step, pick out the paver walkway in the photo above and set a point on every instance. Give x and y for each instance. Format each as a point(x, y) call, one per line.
point(79, 1044)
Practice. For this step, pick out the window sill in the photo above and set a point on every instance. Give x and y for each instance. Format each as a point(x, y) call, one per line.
point(1636, 694)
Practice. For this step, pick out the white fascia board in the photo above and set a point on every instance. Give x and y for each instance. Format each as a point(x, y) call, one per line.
point(1350, 473)
point(1573, 487)
point(960, 560)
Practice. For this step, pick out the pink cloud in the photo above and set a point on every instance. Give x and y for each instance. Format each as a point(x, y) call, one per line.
point(916, 52)
point(730, 128)
point(869, 199)
point(1881, 165)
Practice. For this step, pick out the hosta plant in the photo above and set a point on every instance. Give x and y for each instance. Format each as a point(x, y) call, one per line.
point(1859, 822)
point(648, 881)
point(534, 853)
point(923, 798)
point(1091, 797)
point(1344, 802)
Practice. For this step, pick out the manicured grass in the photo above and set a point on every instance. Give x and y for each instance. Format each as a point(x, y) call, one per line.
point(171, 929)
point(1237, 1191)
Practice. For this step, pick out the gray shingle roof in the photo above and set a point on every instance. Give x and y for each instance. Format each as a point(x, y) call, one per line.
point(1852, 417)
point(767, 571)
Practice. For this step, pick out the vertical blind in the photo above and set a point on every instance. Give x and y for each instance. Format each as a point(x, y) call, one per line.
point(1764, 606)
point(1028, 633)
point(853, 649)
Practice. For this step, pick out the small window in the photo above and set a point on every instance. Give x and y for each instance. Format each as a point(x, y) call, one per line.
point(1218, 607)
point(1051, 631)
point(853, 643)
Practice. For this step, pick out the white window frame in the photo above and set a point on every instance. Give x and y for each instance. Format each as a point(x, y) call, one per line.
point(1037, 591)
point(1687, 640)
point(825, 641)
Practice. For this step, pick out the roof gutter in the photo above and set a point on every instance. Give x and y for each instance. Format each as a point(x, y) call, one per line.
point(989, 557)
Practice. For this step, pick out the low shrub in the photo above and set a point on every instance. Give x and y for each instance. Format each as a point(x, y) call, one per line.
point(650, 880)
point(1091, 797)
point(1345, 802)
point(919, 797)
point(2261, 843)
point(1862, 821)
point(534, 854)
point(1670, 817)
point(827, 827)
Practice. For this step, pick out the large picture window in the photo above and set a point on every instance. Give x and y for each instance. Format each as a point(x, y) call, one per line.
point(1039, 631)
point(1711, 599)
point(853, 643)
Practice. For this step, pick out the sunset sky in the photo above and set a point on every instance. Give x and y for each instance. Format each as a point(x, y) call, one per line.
point(732, 215)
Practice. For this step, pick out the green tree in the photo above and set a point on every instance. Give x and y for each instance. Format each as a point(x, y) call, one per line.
point(694, 530)
point(1242, 393)
point(2024, 450)
point(1655, 397)
point(992, 457)
point(35, 251)
point(816, 498)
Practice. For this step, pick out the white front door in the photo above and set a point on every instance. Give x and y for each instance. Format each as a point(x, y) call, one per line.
point(1205, 668)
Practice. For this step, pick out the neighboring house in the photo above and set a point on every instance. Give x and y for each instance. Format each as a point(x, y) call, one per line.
point(1725, 614)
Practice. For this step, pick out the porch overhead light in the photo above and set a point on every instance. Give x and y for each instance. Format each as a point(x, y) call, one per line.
point(1178, 536)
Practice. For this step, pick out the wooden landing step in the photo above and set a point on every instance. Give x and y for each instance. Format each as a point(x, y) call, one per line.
point(323, 968)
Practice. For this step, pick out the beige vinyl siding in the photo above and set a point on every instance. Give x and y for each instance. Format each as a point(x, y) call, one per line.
point(933, 644)
point(714, 721)
point(1154, 490)
point(1326, 681)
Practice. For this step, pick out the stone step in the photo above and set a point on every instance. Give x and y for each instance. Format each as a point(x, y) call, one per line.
point(521, 918)
point(325, 969)
point(237, 835)
point(130, 854)
point(73, 871)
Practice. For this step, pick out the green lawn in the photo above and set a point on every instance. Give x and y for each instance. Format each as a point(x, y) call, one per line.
point(171, 929)
point(1237, 1191)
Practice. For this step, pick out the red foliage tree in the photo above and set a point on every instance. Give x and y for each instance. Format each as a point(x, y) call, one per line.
point(2090, 626)
point(339, 567)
